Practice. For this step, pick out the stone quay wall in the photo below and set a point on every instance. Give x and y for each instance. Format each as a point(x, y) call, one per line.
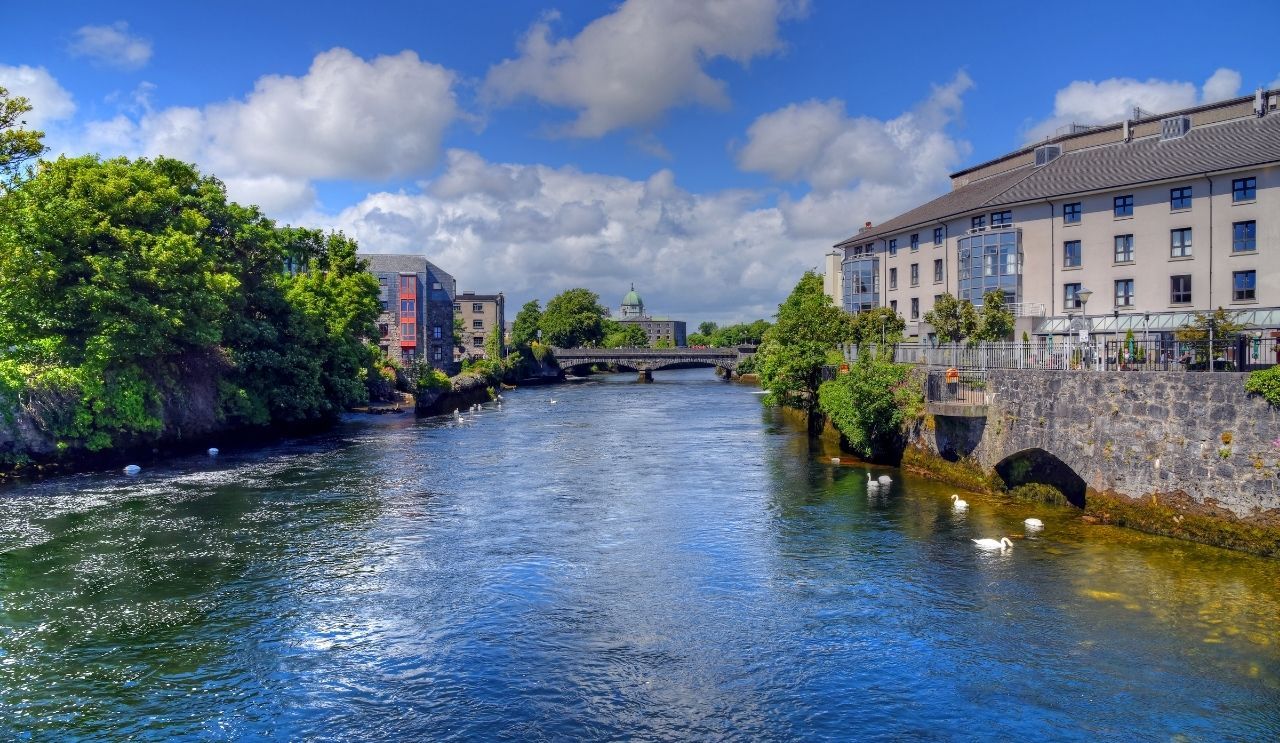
point(1194, 440)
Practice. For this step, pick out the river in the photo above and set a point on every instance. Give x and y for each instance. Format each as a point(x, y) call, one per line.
point(664, 561)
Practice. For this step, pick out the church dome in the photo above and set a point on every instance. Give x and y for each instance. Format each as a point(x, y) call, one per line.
point(632, 299)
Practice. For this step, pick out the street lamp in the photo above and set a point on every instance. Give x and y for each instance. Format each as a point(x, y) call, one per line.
point(1084, 295)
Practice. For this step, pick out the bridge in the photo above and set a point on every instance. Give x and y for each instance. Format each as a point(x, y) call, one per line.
point(646, 361)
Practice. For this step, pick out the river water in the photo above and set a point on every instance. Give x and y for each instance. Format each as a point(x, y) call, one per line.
point(665, 561)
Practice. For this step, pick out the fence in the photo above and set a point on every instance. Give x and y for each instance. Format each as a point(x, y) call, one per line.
point(1242, 353)
point(963, 388)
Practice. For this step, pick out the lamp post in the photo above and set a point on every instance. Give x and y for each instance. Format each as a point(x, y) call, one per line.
point(1084, 295)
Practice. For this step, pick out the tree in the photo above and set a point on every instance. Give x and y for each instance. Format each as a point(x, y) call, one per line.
point(953, 320)
point(1222, 324)
point(707, 328)
point(524, 331)
point(573, 318)
point(870, 404)
point(624, 335)
point(796, 347)
point(493, 346)
point(876, 325)
point(995, 321)
point(17, 145)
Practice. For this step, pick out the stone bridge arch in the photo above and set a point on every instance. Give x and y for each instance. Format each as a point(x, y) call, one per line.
point(1035, 465)
point(645, 361)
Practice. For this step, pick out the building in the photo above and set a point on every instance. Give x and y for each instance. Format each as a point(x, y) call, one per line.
point(659, 329)
point(481, 314)
point(416, 323)
point(833, 277)
point(1157, 217)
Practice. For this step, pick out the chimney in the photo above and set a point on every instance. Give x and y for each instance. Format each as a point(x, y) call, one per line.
point(1258, 107)
point(864, 228)
point(1128, 131)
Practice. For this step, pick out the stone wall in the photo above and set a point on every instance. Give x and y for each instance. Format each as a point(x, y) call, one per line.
point(1195, 439)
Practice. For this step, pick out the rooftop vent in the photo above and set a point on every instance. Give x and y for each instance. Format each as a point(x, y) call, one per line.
point(1174, 127)
point(1047, 154)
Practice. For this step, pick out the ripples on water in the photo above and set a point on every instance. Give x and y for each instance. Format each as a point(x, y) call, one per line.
point(638, 561)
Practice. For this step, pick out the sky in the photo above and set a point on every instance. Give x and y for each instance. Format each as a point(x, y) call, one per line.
point(710, 151)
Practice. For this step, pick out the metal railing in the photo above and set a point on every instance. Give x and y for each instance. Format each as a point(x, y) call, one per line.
point(963, 388)
point(1243, 353)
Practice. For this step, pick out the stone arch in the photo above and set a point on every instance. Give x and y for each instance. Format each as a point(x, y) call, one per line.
point(1035, 465)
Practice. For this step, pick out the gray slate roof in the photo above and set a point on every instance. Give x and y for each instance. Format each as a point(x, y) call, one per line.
point(1240, 143)
point(393, 263)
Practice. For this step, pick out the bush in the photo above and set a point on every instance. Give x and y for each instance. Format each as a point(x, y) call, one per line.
point(434, 379)
point(1265, 382)
point(871, 404)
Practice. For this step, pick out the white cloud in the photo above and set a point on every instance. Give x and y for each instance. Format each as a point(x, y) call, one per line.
point(627, 68)
point(533, 230)
point(347, 118)
point(111, 45)
point(1112, 100)
point(859, 168)
point(49, 100)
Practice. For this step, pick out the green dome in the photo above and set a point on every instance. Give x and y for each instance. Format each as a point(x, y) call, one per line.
point(632, 299)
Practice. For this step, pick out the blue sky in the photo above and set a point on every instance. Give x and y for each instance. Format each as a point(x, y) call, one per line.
point(710, 152)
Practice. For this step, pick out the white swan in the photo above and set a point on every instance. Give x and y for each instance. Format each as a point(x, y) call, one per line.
point(885, 480)
point(132, 470)
point(872, 485)
point(1033, 524)
point(958, 503)
point(991, 544)
point(553, 402)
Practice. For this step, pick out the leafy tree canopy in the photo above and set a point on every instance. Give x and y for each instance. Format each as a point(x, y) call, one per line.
point(524, 330)
point(796, 347)
point(953, 320)
point(877, 324)
point(995, 321)
point(17, 144)
point(573, 318)
point(624, 335)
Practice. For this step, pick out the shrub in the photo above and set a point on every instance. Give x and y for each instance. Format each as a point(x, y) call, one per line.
point(434, 379)
point(871, 404)
point(1265, 382)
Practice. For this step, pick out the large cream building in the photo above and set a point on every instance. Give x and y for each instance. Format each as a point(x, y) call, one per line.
point(1157, 217)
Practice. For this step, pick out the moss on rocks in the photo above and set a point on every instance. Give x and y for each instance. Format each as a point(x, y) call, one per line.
point(1175, 515)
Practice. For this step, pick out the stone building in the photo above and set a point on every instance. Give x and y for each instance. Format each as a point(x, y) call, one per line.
point(481, 314)
point(657, 328)
point(1152, 218)
point(417, 299)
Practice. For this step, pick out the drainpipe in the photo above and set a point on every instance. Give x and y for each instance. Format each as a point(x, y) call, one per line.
point(1053, 288)
point(1210, 180)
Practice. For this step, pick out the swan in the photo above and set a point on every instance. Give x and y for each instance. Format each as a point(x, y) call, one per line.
point(991, 544)
point(213, 451)
point(132, 470)
point(1033, 524)
point(885, 480)
point(553, 402)
point(958, 503)
point(872, 485)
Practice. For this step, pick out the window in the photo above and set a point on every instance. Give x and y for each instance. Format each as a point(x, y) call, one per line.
point(407, 284)
point(1180, 289)
point(1123, 206)
point(893, 278)
point(1004, 217)
point(435, 285)
point(915, 274)
point(477, 324)
point(915, 308)
point(435, 353)
point(385, 306)
point(1244, 285)
point(408, 330)
point(1070, 296)
point(477, 341)
point(1244, 189)
point(477, 307)
point(1071, 254)
point(1071, 213)
point(989, 261)
point(1180, 243)
point(408, 307)
point(937, 271)
point(1180, 198)
point(893, 247)
point(1124, 248)
point(978, 221)
point(435, 332)
point(1244, 237)
point(915, 241)
point(1124, 293)
point(937, 235)
point(893, 305)
point(384, 329)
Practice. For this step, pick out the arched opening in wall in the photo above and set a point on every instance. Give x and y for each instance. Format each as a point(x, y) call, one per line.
point(1039, 473)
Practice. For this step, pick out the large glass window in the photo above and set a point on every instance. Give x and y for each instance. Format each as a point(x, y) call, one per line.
point(408, 307)
point(1004, 217)
point(408, 330)
point(1124, 293)
point(1180, 243)
point(1123, 206)
point(1244, 237)
point(915, 274)
point(1244, 189)
point(990, 261)
point(1124, 248)
point(937, 235)
point(408, 285)
point(1071, 213)
point(1071, 296)
point(1180, 198)
point(937, 271)
point(1071, 254)
point(1244, 285)
point(1180, 289)
point(861, 284)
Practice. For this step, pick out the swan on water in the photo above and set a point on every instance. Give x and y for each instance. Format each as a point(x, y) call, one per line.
point(959, 503)
point(1033, 524)
point(991, 544)
point(872, 485)
point(885, 480)
point(132, 470)
point(213, 451)
point(553, 402)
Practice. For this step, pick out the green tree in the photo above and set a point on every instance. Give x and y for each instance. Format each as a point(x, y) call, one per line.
point(707, 328)
point(493, 346)
point(624, 335)
point(1224, 326)
point(871, 403)
point(995, 321)
point(953, 320)
point(573, 318)
point(796, 347)
point(664, 343)
point(524, 331)
point(876, 325)
point(17, 144)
